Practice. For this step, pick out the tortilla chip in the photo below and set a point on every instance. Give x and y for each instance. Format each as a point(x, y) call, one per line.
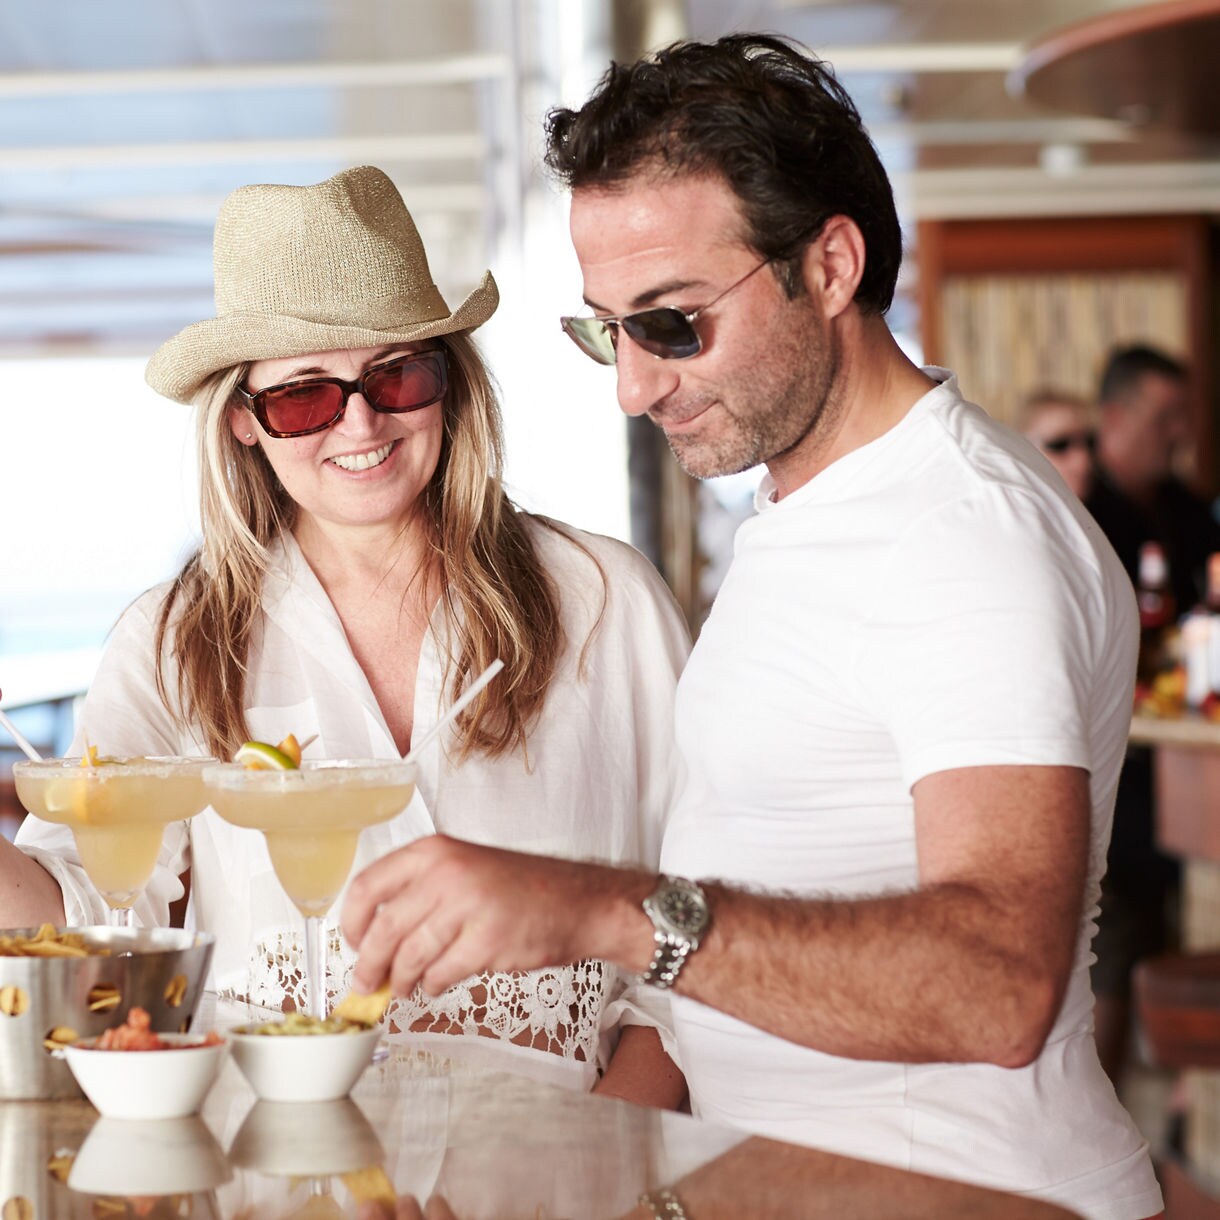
point(13, 1000)
point(370, 1185)
point(364, 1009)
point(47, 942)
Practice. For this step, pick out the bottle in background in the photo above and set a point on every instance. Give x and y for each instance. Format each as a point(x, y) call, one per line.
point(1200, 640)
point(1155, 602)
point(1156, 608)
point(1211, 600)
point(1196, 632)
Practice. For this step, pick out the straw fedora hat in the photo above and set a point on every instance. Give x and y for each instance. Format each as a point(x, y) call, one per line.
point(301, 269)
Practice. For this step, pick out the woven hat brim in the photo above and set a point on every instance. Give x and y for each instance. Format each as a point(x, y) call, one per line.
point(182, 364)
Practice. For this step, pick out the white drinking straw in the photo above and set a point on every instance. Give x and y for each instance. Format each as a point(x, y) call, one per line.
point(13, 732)
point(455, 708)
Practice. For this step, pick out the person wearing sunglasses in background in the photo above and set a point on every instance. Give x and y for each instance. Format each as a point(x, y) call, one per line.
point(360, 564)
point(904, 718)
point(1138, 497)
point(1063, 427)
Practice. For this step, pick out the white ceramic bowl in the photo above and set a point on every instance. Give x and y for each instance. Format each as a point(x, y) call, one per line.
point(306, 1139)
point(165, 1157)
point(147, 1084)
point(303, 1067)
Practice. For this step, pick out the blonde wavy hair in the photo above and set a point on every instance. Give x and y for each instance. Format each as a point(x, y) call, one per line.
point(490, 571)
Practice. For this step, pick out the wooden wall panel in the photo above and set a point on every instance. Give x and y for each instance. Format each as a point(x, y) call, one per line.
point(1008, 336)
point(1087, 257)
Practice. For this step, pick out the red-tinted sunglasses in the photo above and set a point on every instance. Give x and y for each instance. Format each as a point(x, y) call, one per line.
point(313, 404)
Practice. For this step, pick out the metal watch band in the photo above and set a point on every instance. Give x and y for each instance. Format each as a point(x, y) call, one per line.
point(664, 1205)
point(667, 961)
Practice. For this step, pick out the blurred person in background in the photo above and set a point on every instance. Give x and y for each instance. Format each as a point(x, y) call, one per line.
point(1138, 498)
point(1064, 427)
point(1144, 435)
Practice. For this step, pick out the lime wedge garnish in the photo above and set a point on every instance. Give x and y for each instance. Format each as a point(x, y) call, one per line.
point(259, 756)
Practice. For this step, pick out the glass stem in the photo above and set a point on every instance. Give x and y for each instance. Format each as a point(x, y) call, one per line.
point(315, 967)
point(122, 917)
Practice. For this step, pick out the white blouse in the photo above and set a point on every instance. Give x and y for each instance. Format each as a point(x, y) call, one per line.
point(600, 775)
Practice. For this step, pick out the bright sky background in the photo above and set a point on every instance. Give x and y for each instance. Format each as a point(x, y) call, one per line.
point(97, 497)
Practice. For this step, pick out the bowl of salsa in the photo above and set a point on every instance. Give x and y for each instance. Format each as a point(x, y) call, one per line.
point(133, 1071)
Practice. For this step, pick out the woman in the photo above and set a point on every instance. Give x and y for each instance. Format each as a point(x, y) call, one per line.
point(1062, 426)
point(360, 564)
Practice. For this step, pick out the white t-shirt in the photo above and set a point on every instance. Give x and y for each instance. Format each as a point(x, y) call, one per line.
point(935, 599)
point(602, 773)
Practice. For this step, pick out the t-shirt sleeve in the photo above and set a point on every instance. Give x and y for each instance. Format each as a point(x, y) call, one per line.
point(980, 647)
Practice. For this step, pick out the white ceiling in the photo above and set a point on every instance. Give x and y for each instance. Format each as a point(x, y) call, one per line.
point(124, 124)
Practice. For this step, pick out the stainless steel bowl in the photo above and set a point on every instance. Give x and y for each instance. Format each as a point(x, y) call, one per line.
point(161, 970)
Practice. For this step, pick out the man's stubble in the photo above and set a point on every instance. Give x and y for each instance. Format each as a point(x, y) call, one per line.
point(768, 409)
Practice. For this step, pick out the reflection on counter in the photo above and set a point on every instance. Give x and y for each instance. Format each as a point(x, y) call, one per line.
point(423, 1128)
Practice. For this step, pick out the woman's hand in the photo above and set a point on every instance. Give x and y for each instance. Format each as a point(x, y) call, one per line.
point(439, 910)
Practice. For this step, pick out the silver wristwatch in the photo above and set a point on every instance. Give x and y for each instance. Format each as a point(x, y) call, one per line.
point(679, 913)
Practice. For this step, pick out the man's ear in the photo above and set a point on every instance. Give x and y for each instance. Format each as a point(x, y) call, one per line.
point(833, 263)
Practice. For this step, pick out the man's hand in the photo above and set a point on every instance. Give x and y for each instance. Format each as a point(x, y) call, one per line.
point(439, 910)
point(407, 1208)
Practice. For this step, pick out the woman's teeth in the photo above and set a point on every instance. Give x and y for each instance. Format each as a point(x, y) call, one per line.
point(363, 461)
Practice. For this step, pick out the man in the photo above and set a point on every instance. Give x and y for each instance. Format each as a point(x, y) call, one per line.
point(1062, 426)
point(1138, 499)
point(905, 716)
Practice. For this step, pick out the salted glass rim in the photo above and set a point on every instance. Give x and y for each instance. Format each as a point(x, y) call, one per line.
point(112, 768)
point(367, 770)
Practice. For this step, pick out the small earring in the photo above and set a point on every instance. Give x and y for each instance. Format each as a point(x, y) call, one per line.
point(249, 436)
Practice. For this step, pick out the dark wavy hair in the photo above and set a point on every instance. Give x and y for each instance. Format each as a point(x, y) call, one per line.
point(1126, 366)
point(759, 112)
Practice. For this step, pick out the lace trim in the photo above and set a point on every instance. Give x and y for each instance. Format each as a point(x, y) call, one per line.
point(557, 1011)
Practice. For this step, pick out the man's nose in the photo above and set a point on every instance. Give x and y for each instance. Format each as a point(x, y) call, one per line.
point(643, 379)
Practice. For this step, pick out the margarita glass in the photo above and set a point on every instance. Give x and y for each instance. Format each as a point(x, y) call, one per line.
point(311, 818)
point(118, 810)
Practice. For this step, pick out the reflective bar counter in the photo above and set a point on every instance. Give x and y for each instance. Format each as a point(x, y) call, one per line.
point(486, 1142)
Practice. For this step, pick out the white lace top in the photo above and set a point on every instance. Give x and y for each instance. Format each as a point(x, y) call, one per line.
point(602, 772)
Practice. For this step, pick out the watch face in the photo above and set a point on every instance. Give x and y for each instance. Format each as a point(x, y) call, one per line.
point(684, 909)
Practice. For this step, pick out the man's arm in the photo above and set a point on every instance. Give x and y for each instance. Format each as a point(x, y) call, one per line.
point(971, 966)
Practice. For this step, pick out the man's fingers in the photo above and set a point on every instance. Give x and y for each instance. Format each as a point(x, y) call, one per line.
point(416, 954)
point(467, 954)
point(371, 1209)
point(438, 1209)
point(393, 926)
point(378, 883)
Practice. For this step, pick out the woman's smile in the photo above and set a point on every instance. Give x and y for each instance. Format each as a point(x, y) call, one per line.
point(365, 460)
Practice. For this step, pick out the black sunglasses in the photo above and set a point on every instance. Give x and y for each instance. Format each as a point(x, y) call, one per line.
point(1073, 440)
point(313, 404)
point(666, 332)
